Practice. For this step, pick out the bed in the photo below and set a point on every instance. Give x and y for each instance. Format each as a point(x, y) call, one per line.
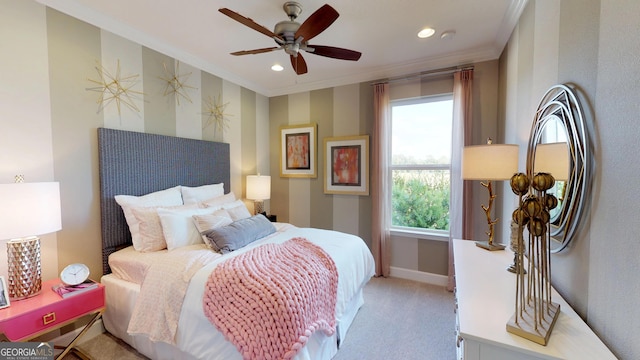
point(144, 286)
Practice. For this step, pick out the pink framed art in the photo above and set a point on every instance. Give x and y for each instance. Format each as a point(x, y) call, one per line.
point(298, 151)
point(347, 165)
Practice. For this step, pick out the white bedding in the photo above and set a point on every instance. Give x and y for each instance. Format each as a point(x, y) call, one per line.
point(197, 338)
point(131, 265)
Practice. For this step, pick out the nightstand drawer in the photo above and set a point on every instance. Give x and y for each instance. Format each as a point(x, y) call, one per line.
point(28, 318)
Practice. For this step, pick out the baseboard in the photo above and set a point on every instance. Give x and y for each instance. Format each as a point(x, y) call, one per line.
point(96, 329)
point(420, 276)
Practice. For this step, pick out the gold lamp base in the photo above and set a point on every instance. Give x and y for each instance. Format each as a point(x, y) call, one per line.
point(258, 207)
point(525, 326)
point(25, 271)
point(489, 246)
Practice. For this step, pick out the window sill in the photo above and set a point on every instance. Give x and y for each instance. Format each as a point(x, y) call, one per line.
point(406, 233)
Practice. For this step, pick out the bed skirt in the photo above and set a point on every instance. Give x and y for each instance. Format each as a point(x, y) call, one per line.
point(121, 297)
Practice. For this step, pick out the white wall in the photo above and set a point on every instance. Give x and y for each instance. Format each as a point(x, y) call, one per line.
point(25, 118)
point(613, 275)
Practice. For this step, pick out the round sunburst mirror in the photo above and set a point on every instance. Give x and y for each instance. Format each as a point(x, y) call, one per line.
point(559, 133)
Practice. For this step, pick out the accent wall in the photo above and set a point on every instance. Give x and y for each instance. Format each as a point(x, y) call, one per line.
point(49, 116)
point(594, 46)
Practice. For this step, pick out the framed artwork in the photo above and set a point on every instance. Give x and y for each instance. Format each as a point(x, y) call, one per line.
point(347, 165)
point(4, 294)
point(298, 151)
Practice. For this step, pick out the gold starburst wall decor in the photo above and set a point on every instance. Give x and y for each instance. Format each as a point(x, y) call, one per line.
point(176, 83)
point(215, 112)
point(115, 88)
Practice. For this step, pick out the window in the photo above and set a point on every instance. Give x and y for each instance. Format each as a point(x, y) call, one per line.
point(420, 164)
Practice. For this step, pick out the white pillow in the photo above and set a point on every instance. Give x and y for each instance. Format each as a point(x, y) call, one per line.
point(238, 210)
point(179, 228)
point(150, 228)
point(207, 222)
point(219, 201)
point(167, 197)
point(194, 195)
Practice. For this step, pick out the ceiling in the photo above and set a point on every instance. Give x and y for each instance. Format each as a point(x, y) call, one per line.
point(384, 31)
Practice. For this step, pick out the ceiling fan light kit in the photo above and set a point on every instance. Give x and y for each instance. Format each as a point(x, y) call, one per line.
point(292, 36)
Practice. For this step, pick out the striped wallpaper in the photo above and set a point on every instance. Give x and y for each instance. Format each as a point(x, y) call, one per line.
point(53, 57)
point(50, 59)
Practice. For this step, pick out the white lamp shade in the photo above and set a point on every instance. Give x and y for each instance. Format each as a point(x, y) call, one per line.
point(258, 187)
point(28, 209)
point(552, 158)
point(489, 162)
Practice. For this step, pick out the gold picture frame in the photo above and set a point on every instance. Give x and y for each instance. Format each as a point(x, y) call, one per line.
point(347, 165)
point(298, 151)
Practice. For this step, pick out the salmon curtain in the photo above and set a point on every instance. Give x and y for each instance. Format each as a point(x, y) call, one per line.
point(460, 225)
point(380, 179)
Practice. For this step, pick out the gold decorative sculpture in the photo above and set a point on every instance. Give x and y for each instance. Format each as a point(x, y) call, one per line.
point(535, 313)
point(215, 113)
point(176, 83)
point(114, 88)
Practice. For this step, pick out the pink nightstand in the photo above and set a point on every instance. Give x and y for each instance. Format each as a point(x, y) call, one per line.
point(47, 311)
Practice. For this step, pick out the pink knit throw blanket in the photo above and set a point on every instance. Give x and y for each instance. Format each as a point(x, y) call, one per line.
point(268, 301)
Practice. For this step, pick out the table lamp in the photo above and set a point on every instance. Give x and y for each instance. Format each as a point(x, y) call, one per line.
point(258, 190)
point(552, 158)
point(27, 210)
point(489, 162)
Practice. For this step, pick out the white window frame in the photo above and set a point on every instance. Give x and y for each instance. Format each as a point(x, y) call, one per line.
point(403, 231)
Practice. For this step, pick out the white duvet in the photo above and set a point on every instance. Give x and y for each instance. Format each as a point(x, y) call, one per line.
point(197, 338)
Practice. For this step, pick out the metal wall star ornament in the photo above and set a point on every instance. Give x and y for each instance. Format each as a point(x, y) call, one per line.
point(176, 83)
point(215, 112)
point(115, 88)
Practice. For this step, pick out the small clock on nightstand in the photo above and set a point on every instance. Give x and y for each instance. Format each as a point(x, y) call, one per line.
point(74, 274)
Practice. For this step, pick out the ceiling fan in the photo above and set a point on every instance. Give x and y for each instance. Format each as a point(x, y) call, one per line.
point(292, 36)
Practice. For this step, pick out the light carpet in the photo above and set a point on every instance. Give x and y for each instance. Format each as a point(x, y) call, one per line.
point(401, 319)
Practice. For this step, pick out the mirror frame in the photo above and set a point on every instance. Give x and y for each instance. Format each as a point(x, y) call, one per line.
point(560, 103)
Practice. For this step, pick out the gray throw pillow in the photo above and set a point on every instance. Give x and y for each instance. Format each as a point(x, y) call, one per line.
point(239, 233)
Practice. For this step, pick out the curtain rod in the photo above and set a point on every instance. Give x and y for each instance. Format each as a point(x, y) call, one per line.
point(420, 75)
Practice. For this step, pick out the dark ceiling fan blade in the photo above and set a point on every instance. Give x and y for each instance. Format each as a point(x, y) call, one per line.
point(334, 52)
point(299, 64)
point(317, 22)
point(256, 51)
point(248, 22)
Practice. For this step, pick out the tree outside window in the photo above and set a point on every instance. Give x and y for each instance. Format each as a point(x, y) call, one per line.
point(421, 162)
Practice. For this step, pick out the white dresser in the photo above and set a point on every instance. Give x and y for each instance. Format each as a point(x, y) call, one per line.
point(485, 293)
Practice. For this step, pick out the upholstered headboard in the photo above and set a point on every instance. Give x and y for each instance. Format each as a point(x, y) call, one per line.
point(133, 163)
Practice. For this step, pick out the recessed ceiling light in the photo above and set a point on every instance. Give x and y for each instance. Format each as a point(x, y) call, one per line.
point(426, 32)
point(277, 67)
